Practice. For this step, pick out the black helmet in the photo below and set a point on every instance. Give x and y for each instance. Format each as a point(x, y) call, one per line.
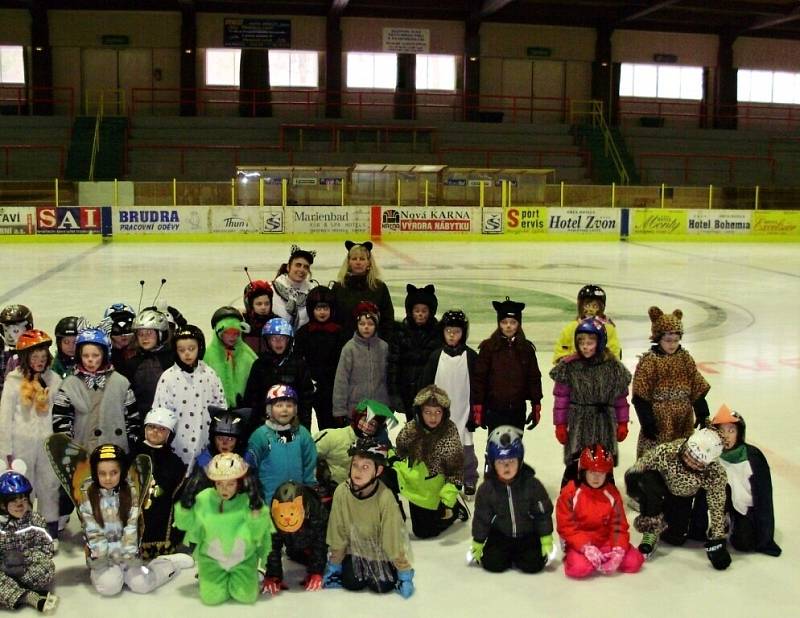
point(321, 294)
point(190, 331)
point(228, 422)
point(369, 447)
point(456, 317)
point(109, 452)
point(67, 327)
point(225, 312)
point(14, 314)
point(591, 292)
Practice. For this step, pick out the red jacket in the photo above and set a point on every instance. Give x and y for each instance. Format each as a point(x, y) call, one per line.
point(596, 516)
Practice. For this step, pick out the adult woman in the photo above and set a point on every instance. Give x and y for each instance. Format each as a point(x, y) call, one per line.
point(292, 285)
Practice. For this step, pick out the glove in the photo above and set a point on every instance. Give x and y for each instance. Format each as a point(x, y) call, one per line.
point(477, 550)
point(13, 563)
point(273, 585)
point(534, 416)
point(477, 415)
point(593, 555)
point(622, 431)
point(313, 582)
point(649, 430)
point(701, 413)
point(405, 583)
point(448, 495)
point(332, 578)
point(611, 560)
point(547, 545)
point(717, 553)
point(562, 435)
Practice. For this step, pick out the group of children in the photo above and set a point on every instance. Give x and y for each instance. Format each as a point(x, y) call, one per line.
point(164, 444)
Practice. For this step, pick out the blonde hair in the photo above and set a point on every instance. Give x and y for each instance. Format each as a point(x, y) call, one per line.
point(373, 272)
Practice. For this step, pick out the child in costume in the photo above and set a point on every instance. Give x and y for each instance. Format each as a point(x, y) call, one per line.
point(26, 419)
point(451, 368)
point(512, 525)
point(506, 374)
point(367, 538)
point(188, 388)
point(359, 280)
point(665, 481)
point(153, 356)
point(361, 372)
point(257, 298)
point(591, 520)
point(669, 394)
point(292, 285)
point(96, 405)
point(110, 510)
point(591, 304)
point(282, 448)
point(430, 466)
point(371, 419)
point(590, 404)
point(121, 316)
point(229, 356)
point(320, 343)
point(26, 549)
point(231, 531)
point(749, 505)
point(14, 320)
point(66, 332)
point(413, 341)
point(280, 363)
point(301, 523)
point(159, 536)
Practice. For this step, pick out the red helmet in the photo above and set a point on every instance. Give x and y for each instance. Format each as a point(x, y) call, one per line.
point(597, 459)
point(33, 338)
point(254, 289)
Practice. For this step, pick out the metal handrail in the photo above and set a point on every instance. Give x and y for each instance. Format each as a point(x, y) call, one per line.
point(595, 112)
point(96, 138)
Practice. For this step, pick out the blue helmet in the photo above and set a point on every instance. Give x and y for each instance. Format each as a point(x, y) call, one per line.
point(14, 484)
point(593, 326)
point(277, 326)
point(95, 336)
point(279, 392)
point(119, 308)
point(505, 442)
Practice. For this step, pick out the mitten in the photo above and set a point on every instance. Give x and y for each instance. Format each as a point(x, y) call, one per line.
point(534, 416)
point(622, 431)
point(592, 554)
point(562, 435)
point(717, 553)
point(477, 415)
point(448, 495)
point(332, 578)
point(477, 550)
point(313, 581)
point(273, 585)
point(611, 560)
point(13, 563)
point(405, 583)
point(547, 544)
point(701, 412)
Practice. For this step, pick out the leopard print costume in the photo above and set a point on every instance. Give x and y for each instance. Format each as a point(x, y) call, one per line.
point(440, 450)
point(670, 383)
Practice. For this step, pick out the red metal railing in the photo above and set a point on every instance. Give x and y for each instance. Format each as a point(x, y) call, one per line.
point(687, 159)
point(535, 154)
point(23, 98)
point(9, 148)
point(382, 132)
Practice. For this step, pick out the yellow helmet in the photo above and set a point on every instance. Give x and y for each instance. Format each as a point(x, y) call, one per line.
point(226, 467)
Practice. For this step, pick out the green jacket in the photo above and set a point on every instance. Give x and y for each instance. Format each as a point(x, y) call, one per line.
point(422, 489)
point(332, 447)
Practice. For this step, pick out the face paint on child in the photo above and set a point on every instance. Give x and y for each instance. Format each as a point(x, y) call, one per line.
point(108, 474)
point(591, 308)
point(506, 469)
point(367, 427)
point(420, 314)
point(91, 357)
point(18, 507)
point(432, 416)
point(187, 350)
point(363, 471)
point(229, 337)
point(509, 327)
point(262, 305)
point(587, 344)
point(11, 333)
point(38, 361)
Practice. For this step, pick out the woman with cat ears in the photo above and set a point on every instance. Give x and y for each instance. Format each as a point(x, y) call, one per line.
point(292, 285)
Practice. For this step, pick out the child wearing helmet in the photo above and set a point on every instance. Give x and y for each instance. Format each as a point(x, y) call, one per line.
point(66, 332)
point(121, 316)
point(153, 356)
point(26, 419)
point(591, 521)
point(229, 356)
point(363, 364)
point(188, 388)
point(666, 479)
point(301, 523)
point(231, 532)
point(512, 525)
point(367, 538)
point(282, 449)
point(14, 320)
point(590, 396)
point(413, 341)
point(257, 297)
point(431, 464)
point(110, 511)
point(280, 363)
point(292, 285)
point(159, 537)
point(371, 419)
point(506, 374)
point(591, 304)
point(26, 549)
point(669, 393)
point(320, 343)
point(96, 403)
point(451, 367)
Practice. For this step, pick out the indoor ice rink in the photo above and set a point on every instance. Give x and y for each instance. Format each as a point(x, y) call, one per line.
point(738, 300)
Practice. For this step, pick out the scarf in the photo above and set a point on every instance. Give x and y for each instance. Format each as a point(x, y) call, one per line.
point(736, 455)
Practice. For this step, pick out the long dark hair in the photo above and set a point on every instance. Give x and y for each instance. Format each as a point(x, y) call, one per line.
point(125, 502)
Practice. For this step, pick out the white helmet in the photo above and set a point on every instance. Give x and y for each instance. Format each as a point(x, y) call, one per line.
point(226, 467)
point(704, 445)
point(163, 417)
point(151, 318)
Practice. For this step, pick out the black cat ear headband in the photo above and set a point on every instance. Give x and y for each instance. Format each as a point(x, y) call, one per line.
point(349, 244)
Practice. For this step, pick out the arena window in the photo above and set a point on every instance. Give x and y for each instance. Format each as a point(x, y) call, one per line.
point(12, 64)
point(661, 81)
point(222, 67)
point(365, 70)
point(768, 87)
point(295, 69)
point(436, 72)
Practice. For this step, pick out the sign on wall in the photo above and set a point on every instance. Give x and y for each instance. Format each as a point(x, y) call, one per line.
point(407, 40)
point(16, 220)
point(258, 33)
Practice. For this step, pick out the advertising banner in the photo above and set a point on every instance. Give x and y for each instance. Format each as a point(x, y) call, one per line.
point(718, 222)
point(245, 219)
point(396, 220)
point(584, 221)
point(162, 220)
point(650, 222)
point(525, 220)
point(17, 220)
point(329, 219)
point(68, 220)
point(777, 223)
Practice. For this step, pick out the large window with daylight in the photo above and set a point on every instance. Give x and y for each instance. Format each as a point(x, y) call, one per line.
point(657, 81)
point(293, 69)
point(366, 70)
point(768, 87)
point(436, 72)
point(12, 64)
point(222, 67)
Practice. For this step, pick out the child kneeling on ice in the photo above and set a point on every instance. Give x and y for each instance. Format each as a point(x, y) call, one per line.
point(591, 520)
point(512, 524)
